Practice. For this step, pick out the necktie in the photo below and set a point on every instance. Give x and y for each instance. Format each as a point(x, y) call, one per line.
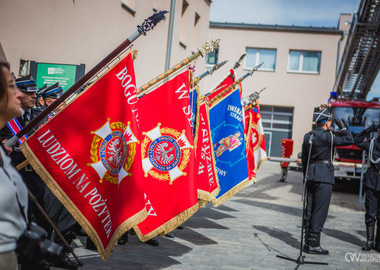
point(25, 117)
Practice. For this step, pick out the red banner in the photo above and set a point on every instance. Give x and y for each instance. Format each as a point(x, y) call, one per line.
point(207, 178)
point(227, 81)
point(255, 140)
point(89, 156)
point(167, 152)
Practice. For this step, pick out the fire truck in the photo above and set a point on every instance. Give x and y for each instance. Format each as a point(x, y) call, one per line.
point(348, 160)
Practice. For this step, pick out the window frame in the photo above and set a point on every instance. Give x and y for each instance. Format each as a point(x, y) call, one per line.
point(300, 71)
point(258, 59)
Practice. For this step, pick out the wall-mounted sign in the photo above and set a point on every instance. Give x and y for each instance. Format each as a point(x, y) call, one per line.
point(48, 73)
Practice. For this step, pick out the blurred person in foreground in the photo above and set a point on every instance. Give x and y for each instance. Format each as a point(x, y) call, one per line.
point(319, 144)
point(13, 191)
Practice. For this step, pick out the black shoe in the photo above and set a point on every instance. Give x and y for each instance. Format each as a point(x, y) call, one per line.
point(132, 232)
point(152, 242)
point(180, 227)
point(89, 244)
point(370, 244)
point(66, 263)
point(123, 239)
point(169, 235)
point(313, 246)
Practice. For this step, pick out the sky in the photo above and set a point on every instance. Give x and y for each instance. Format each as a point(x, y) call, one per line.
point(283, 12)
point(317, 13)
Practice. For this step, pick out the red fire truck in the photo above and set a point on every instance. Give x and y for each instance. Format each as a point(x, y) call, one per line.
point(358, 115)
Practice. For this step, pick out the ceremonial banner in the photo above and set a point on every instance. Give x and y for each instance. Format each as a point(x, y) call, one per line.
point(223, 84)
point(167, 152)
point(207, 178)
point(194, 94)
point(255, 140)
point(226, 122)
point(89, 156)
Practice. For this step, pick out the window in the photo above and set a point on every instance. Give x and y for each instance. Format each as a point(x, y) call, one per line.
point(304, 61)
point(257, 56)
point(212, 57)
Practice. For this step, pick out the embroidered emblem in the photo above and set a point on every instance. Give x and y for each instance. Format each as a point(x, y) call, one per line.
point(229, 143)
point(165, 153)
point(113, 150)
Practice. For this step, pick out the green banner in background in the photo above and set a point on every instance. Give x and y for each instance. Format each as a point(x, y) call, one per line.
point(52, 73)
point(48, 73)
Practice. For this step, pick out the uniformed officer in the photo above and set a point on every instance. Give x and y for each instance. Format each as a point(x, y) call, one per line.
point(371, 184)
point(320, 176)
point(40, 103)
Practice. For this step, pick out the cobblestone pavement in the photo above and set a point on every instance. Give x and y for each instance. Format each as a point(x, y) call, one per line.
point(249, 231)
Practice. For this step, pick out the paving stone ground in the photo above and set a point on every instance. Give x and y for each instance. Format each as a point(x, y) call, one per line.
point(249, 231)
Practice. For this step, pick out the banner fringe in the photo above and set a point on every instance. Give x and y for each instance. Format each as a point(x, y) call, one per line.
point(233, 191)
point(169, 226)
point(75, 212)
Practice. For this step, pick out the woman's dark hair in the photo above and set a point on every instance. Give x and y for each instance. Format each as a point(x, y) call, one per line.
point(3, 82)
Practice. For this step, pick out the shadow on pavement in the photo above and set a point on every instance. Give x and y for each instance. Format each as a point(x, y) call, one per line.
point(194, 237)
point(343, 236)
point(276, 207)
point(137, 255)
point(283, 236)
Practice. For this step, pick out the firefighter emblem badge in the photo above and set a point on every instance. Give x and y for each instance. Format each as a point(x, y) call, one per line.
point(113, 150)
point(165, 153)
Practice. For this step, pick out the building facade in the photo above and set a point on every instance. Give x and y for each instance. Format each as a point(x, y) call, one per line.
point(81, 33)
point(298, 72)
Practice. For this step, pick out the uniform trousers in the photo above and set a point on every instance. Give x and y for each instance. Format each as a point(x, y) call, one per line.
point(318, 196)
point(372, 206)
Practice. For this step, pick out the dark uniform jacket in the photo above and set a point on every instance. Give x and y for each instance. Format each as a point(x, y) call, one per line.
point(31, 178)
point(372, 177)
point(321, 169)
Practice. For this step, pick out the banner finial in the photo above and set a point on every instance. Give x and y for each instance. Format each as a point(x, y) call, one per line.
point(151, 22)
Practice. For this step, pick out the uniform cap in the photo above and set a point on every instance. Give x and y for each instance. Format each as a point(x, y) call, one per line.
point(27, 84)
point(41, 91)
point(53, 91)
point(322, 116)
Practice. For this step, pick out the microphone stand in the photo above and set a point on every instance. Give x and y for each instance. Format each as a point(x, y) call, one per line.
point(300, 260)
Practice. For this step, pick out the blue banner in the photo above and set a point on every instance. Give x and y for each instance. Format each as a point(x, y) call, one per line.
point(193, 105)
point(226, 123)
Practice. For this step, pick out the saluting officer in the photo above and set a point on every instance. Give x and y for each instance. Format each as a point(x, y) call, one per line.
point(371, 184)
point(320, 178)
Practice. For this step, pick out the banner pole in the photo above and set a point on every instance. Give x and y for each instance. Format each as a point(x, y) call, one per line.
point(205, 49)
point(210, 71)
point(146, 26)
point(232, 86)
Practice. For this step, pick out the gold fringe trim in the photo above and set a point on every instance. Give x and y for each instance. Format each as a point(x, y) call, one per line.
point(231, 193)
point(169, 226)
point(208, 196)
point(261, 162)
point(202, 203)
point(75, 212)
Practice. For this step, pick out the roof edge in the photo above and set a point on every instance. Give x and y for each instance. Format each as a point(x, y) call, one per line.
point(276, 27)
